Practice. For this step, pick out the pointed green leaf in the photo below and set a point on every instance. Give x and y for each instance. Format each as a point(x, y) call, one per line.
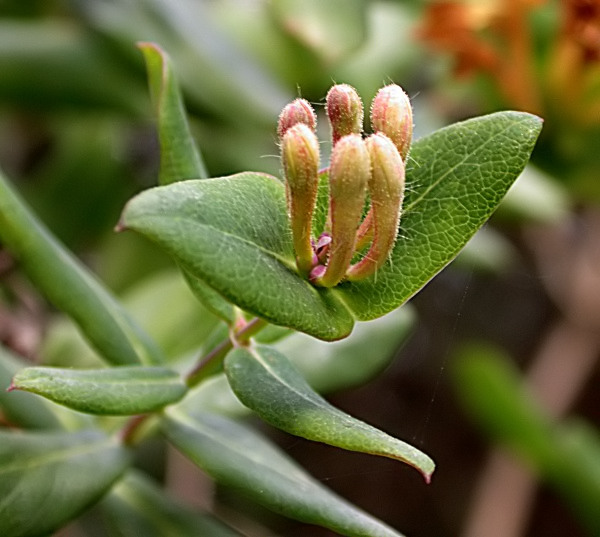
point(70, 286)
point(267, 382)
point(28, 410)
point(456, 178)
point(118, 391)
point(137, 506)
point(179, 156)
point(238, 457)
point(233, 233)
point(47, 479)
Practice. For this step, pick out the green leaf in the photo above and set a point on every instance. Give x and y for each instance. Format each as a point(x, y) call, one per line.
point(70, 286)
point(352, 361)
point(233, 233)
point(28, 410)
point(47, 479)
point(137, 506)
point(456, 178)
point(265, 381)
point(179, 156)
point(117, 391)
point(238, 457)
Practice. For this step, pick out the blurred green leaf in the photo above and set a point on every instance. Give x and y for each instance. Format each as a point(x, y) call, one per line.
point(47, 479)
point(265, 381)
point(331, 29)
point(234, 232)
point(117, 391)
point(354, 360)
point(565, 455)
point(237, 457)
point(179, 156)
point(217, 76)
point(70, 286)
point(137, 506)
point(536, 197)
point(53, 64)
point(491, 389)
point(28, 410)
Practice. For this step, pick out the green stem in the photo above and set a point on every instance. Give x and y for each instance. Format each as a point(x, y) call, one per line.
point(133, 432)
point(208, 364)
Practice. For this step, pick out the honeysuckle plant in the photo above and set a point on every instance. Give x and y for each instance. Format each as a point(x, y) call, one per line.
point(315, 251)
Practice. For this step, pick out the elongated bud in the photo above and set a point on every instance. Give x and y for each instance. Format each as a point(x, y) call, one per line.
point(391, 114)
point(300, 156)
point(348, 176)
point(345, 111)
point(386, 187)
point(298, 111)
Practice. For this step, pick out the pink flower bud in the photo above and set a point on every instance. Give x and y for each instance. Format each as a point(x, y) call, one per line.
point(298, 111)
point(300, 156)
point(349, 173)
point(345, 111)
point(386, 187)
point(391, 114)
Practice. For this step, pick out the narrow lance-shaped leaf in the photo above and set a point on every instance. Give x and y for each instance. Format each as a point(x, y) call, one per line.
point(233, 232)
point(138, 506)
point(267, 382)
point(117, 391)
point(47, 479)
point(238, 457)
point(28, 410)
point(70, 286)
point(179, 156)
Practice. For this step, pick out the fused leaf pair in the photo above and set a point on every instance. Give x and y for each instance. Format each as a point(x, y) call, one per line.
point(375, 164)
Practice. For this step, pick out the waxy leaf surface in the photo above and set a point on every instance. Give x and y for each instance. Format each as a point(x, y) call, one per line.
point(47, 479)
point(118, 391)
point(267, 382)
point(238, 457)
point(233, 233)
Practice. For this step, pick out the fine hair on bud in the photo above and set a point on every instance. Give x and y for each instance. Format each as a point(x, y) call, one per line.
point(298, 111)
point(345, 111)
point(391, 114)
point(300, 158)
point(386, 189)
point(349, 173)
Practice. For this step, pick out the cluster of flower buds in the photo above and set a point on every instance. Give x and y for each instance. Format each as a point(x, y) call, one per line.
point(360, 169)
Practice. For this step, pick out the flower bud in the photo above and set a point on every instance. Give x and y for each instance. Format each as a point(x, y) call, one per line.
point(300, 156)
point(348, 176)
point(345, 111)
point(298, 111)
point(386, 188)
point(391, 114)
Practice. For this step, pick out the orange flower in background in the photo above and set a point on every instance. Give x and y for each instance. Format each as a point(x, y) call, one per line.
point(495, 37)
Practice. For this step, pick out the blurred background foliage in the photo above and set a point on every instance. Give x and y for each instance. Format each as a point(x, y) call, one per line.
point(498, 373)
